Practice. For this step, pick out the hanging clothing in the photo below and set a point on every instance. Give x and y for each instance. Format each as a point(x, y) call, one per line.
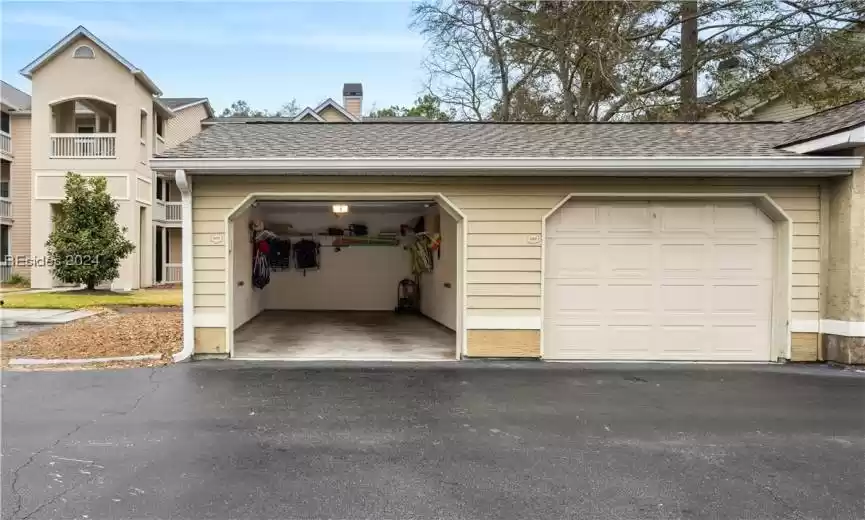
point(421, 258)
point(279, 253)
point(306, 255)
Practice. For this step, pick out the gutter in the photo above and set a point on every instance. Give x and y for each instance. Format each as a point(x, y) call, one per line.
point(185, 187)
point(634, 166)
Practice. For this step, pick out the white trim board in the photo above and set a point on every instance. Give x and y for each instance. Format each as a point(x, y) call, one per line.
point(527, 322)
point(853, 329)
point(804, 166)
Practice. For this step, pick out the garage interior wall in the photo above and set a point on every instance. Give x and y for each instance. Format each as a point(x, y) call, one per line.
point(438, 289)
point(503, 266)
point(247, 300)
point(362, 278)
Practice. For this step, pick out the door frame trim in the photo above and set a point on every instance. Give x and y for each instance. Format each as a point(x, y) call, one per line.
point(780, 339)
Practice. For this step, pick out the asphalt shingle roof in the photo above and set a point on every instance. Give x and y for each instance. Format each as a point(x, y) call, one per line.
point(500, 140)
point(173, 103)
point(829, 121)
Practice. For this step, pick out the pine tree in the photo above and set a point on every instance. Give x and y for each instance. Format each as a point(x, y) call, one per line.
point(87, 245)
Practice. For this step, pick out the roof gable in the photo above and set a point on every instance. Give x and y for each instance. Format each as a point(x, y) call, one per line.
point(178, 104)
point(69, 39)
point(330, 103)
point(829, 121)
point(308, 114)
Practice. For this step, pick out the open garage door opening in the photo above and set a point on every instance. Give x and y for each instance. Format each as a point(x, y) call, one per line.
point(345, 279)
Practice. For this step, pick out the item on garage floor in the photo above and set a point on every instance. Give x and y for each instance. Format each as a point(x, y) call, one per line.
point(358, 230)
point(306, 255)
point(408, 297)
point(335, 231)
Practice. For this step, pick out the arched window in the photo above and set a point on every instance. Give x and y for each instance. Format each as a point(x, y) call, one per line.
point(84, 52)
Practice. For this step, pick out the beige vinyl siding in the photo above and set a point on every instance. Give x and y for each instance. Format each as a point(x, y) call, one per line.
point(331, 114)
point(185, 124)
point(503, 266)
point(781, 110)
point(353, 105)
point(20, 182)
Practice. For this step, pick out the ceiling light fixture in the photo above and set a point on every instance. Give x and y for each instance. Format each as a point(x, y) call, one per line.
point(340, 209)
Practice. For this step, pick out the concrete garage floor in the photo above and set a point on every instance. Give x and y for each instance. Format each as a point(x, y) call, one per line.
point(455, 441)
point(343, 335)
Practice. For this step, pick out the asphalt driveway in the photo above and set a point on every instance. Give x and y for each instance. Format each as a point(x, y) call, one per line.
point(457, 441)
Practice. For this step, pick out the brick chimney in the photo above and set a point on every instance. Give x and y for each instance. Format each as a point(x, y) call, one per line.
point(352, 98)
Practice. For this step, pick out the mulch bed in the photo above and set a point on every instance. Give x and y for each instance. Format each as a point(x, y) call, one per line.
point(108, 334)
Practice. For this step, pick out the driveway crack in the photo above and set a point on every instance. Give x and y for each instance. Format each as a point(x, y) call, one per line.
point(154, 386)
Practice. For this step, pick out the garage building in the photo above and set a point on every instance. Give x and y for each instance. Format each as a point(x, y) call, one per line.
point(673, 242)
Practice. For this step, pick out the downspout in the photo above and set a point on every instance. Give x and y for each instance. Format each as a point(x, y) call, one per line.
point(185, 187)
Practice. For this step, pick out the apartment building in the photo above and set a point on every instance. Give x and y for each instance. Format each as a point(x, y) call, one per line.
point(94, 113)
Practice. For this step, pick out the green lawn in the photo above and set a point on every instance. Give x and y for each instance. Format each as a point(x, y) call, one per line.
point(81, 299)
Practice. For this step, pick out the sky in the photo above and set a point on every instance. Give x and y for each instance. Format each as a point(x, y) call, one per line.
point(266, 53)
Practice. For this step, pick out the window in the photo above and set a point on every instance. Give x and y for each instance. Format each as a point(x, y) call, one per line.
point(159, 189)
point(4, 189)
point(84, 52)
point(143, 125)
point(4, 122)
point(160, 126)
point(5, 250)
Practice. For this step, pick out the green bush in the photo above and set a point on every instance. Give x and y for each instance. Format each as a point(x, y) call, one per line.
point(87, 245)
point(17, 279)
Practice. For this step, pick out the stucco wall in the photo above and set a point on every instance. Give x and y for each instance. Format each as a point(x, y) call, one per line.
point(503, 267)
point(129, 177)
point(844, 330)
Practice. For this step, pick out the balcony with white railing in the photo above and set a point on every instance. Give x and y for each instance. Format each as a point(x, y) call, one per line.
point(173, 212)
point(167, 212)
point(5, 271)
point(83, 146)
point(172, 273)
point(5, 208)
point(5, 143)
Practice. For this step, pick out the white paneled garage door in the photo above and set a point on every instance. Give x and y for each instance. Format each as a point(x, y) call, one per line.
point(658, 280)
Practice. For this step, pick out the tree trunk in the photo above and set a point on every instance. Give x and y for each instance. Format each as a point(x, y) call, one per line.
point(91, 285)
point(688, 84)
